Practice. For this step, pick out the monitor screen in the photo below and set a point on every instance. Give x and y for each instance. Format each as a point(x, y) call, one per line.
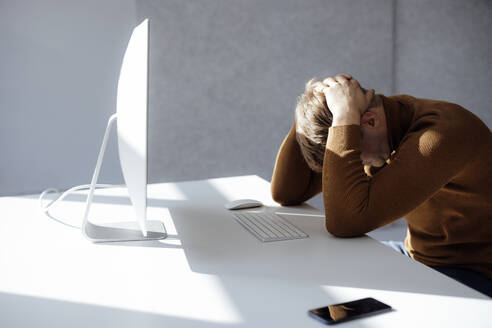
point(132, 109)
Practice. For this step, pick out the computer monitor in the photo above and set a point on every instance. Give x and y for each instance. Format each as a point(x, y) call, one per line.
point(132, 123)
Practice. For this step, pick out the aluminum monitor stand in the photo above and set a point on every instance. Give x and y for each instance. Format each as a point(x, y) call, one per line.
point(117, 231)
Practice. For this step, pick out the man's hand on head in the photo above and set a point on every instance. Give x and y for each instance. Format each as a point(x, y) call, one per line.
point(345, 98)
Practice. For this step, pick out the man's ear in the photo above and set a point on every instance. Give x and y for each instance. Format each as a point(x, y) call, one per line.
point(369, 119)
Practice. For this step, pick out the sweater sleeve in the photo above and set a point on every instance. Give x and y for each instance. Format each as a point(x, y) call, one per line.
point(293, 182)
point(356, 204)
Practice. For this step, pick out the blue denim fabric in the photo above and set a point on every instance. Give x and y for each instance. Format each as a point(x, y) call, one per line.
point(472, 279)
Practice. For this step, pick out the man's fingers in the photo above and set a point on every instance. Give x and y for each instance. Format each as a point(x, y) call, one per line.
point(329, 81)
point(344, 75)
point(369, 96)
point(341, 79)
point(355, 82)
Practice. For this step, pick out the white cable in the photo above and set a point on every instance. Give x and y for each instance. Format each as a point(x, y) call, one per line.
point(46, 208)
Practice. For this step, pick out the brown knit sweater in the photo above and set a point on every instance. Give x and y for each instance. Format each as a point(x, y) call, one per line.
point(439, 177)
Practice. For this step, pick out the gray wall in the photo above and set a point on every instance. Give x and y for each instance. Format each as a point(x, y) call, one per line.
point(224, 76)
point(59, 65)
point(444, 51)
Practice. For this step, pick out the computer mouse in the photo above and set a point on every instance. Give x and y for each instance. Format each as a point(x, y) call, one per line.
point(242, 203)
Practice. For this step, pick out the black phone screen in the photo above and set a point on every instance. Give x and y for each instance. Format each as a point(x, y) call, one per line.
point(336, 313)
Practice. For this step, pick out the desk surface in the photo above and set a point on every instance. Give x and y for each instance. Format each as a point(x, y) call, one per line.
point(210, 272)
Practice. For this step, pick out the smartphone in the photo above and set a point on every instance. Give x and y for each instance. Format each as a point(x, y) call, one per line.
point(336, 313)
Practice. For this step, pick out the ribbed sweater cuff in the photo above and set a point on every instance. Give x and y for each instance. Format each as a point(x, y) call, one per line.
point(342, 138)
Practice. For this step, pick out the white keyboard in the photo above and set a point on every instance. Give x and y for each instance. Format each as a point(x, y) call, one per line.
point(269, 226)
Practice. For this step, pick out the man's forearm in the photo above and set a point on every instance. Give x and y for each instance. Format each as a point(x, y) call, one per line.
point(293, 182)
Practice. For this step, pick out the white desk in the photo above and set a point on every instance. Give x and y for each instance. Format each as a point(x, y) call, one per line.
point(210, 272)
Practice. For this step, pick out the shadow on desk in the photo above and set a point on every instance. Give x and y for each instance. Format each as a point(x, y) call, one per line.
point(29, 311)
point(214, 243)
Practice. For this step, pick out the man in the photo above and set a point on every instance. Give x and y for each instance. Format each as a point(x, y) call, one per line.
point(377, 159)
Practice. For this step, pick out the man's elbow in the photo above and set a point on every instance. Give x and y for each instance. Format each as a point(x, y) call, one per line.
point(285, 201)
point(282, 198)
point(342, 229)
